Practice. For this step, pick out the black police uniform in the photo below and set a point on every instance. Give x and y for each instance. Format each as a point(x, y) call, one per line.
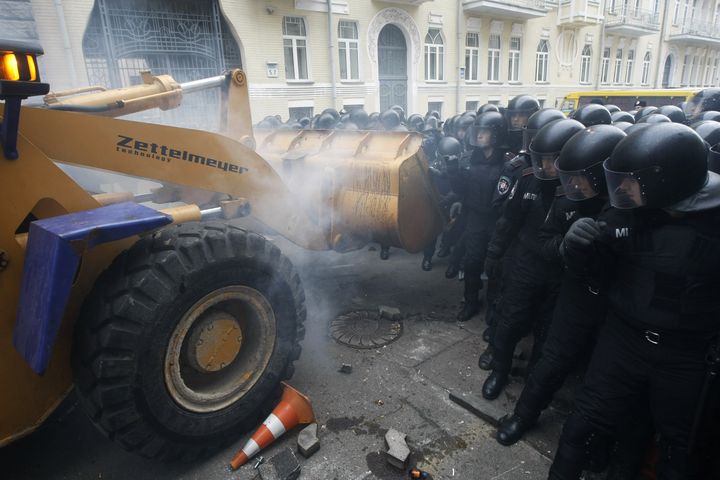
point(579, 311)
point(531, 287)
point(663, 313)
point(476, 185)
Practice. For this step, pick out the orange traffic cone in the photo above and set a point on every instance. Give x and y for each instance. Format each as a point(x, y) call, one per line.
point(294, 409)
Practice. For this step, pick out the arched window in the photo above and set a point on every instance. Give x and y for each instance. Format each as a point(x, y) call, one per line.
point(295, 48)
point(541, 61)
point(434, 55)
point(585, 59)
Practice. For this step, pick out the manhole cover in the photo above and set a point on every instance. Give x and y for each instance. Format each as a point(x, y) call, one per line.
point(364, 329)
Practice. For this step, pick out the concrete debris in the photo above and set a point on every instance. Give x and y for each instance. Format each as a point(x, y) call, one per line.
point(283, 466)
point(390, 313)
point(345, 368)
point(398, 451)
point(307, 440)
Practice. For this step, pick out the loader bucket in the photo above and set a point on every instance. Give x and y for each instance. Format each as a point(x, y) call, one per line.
point(359, 186)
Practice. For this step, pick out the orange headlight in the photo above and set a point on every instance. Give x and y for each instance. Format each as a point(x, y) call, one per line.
point(9, 68)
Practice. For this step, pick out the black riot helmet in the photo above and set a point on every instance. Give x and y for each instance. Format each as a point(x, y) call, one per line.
point(580, 163)
point(400, 111)
point(332, 112)
point(461, 125)
point(612, 108)
point(708, 115)
point(654, 118)
point(622, 117)
point(415, 122)
point(706, 99)
point(656, 167)
point(545, 147)
point(538, 120)
point(592, 114)
point(519, 110)
point(389, 119)
point(449, 125)
point(643, 112)
point(488, 107)
point(325, 121)
point(674, 113)
point(709, 130)
point(637, 126)
point(431, 124)
point(492, 123)
point(305, 122)
point(449, 147)
point(433, 113)
point(359, 117)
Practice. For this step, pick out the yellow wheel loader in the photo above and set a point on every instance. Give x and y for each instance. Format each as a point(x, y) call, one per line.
point(175, 325)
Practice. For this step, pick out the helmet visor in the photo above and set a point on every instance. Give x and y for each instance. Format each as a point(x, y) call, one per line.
point(628, 189)
point(544, 165)
point(518, 119)
point(693, 107)
point(478, 136)
point(580, 184)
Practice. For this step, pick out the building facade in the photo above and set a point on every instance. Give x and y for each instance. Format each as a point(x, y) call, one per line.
point(446, 55)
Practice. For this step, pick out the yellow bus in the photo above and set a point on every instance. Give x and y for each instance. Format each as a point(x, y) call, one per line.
point(625, 99)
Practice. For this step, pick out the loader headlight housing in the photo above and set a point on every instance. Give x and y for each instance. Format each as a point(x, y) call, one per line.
point(19, 73)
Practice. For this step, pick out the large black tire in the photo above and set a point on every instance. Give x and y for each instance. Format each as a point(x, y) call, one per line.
point(131, 317)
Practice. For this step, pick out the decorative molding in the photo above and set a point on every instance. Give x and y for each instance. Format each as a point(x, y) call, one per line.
point(338, 6)
point(545, 33)
point(621, 43)
point(649, 46)
point(633, 43)
point(435, 19)
point(589, 37)
point(497, 27)
point(474, 24)
point(398, 17)
point(517, 30)
point(301, 103)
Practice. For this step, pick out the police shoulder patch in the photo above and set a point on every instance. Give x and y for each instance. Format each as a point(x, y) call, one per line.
point(503, 185)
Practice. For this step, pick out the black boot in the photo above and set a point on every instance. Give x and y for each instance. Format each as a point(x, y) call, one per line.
point(452, 271)
point(487, 334)
point(427, 264)
point(512, 428)
point(486, 358)
point(384, 252)
point(469, 310)
point(494, 385)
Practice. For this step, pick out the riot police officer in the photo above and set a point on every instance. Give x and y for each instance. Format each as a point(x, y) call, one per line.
point(581, 305)
point(475, 186)
point(508, 177)
point(592, 114)
point(518, 113)
point(658, 251)
point(529, 295)
point(707, 99)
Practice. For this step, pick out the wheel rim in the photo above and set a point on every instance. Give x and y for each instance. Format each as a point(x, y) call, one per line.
point(220, 349)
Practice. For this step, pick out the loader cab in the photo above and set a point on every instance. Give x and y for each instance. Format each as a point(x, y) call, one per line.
point(19, 79)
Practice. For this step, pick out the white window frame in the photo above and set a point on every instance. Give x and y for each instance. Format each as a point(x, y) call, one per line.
point(646, 69)
point(295, 47)
point(617, 76)
point(514, 60)
point(605, 66)
point(542, 58)
point(493, 72)
point(345, 47)
point(585, 63)
point(434, 48)
point(629, 64)
point(708, 70)
point(472, 57)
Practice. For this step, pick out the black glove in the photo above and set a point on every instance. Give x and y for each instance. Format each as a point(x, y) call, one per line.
point(583, 232)
point(491, 265)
